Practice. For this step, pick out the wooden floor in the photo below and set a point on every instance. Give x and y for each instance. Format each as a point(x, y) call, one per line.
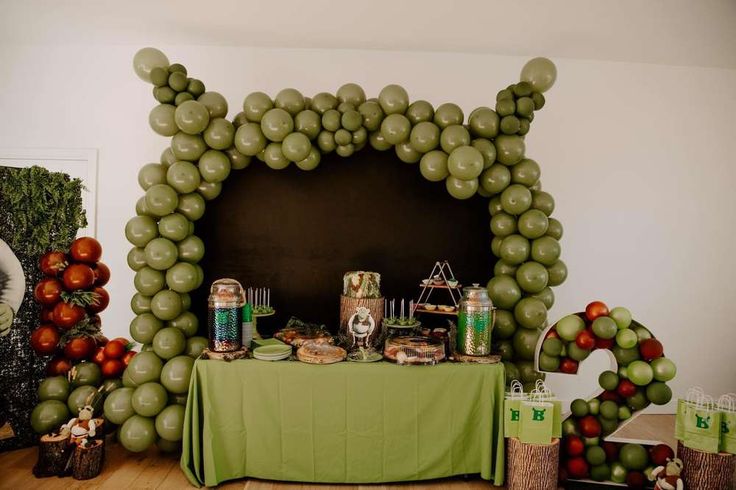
point(153, 470)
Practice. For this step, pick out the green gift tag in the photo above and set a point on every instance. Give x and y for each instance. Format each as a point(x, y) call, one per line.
point(535, 422)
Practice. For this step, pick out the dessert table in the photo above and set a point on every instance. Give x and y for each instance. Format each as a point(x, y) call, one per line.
point(342, 423)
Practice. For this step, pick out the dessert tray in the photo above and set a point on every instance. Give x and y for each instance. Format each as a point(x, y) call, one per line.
point(414, 350)
point(320, 352)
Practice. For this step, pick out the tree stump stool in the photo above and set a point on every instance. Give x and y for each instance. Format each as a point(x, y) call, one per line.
point(532, 466)
point(87, 461)
point(706, 471)
point(53, 455)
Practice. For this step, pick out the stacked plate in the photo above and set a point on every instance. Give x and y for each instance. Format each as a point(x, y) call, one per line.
point(272, 352)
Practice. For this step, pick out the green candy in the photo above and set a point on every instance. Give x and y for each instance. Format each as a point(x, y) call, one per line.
point(118, 405)
point(215, 103)
point(509, 149)
point(448, 114)
point(140, 230)
point(453, 137)
point(137, 433)
point(48, 416)
point(160, 253)
point(406, 153)
point(433, 166)
point(182, 277)
point(169, 342)
point(191, 206)
point(290, 100)
point(395, 128)
point(214, 166)
point(144, 367)
point(274, 157)
point(166, 305)
point(532, 277)
point(191, 249)
point(424, 137)
point(420, 111)
point(54, 388)
point(170, 423)
point(140, 304)
point(191, 117)
point(484, 122)
point(277, 124)
point(530, 313)
point(465, 162)
point(143, 327)
point(495, 178)
point(162, 120)
point(186, 322)
point(504, 292)
point(219, 134)
point(503, 225)
point(176, 373)
point(540, 73)
point(486, 148)
point(249, 139)
point(136, 258)
point(460, 188)
point(557, 273)
point(393, 99)
point(308, 123)
point(546, 250)
point(352, 93)
point(256, 105)
point(148, 281)
point(175, 226)
point(514, 249)
point(312, 160)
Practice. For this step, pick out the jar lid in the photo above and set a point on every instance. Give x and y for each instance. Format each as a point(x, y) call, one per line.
point(227, 292)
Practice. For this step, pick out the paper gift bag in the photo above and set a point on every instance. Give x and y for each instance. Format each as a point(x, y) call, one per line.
point(702, 425)
point(511, 409)
point(684, 404)
point(535, 421)
point(545, 394)
point(727, 405)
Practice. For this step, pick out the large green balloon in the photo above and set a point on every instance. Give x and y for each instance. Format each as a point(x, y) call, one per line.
point(530, 312)
point(176, 373)
point(393, 99)
point(140, 230)
point(161, 199)
point(557, 273)
point(54, 388)
point(136, 258)
point(195, 346)
point(515, 249)
point(526, 172)
point(191, 249)
point(137, 433)
point(86, 373)
point(149, 399)
point(664, 369)
point(640, 373)
point(312, 160)
point(465, 162)
point(546, 250)
point(219, 134)
point(351, 93)
point(459, 188)
point(516, 199)
point(495, 178)
point(215, 103)
point(146, 59)
point(309, 123)
point(486, 148)
point(151, 174)
point(186, 322)
point(502, 267)
point(448, 114)
point(525, 343)
point(296, 146)
point(188, 147)
point(170, 423)
point(169, 342)
point(166, 305)
point(148, 281)
point(509, 149)
point(503, 225)
point(505, 325)
point(540, 72)
point(160, 253)
point(214, 166)
point(546, 295)
point(420, 111)
point(182, 278)
point(433, 166)
point(144, 367)
point(395, 128)
point(174, 226)
point(191, 206)
point(425, 137)
point(144, 326)
point(192, 117)
point(48, 416)
point(168, 446)
point(249, 139)
point(161, 119)
point(484, 122)
point(290, 100)
point(274, 157)
point(453, 137)
point(276, 124)
point(373, 115)
point(81, 396)
point(140, 304)
point(503, 291)
point(118, 405)
point(533, 223)
point(532, 277)
point(256, 105)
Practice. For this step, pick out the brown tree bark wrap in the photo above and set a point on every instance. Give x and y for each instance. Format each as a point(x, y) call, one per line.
point(87, 462)
point(53, 456)
point(532, 466)
point(706, 471)
point(347, 309)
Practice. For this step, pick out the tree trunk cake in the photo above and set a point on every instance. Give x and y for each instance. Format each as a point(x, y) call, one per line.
point(706, 471)
point(361, 307)
point(532, 466)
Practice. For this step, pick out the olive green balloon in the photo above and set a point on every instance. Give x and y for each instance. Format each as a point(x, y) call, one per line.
point(219, 134)
point(140, 303)
point(239, 120)
point(238, 161)
point(557, 273)
point(515, 249)
point(161, 120)
point(540, 72)
point(549, 363)
point(176, 373)
point(460, 188)
point(378, 141)
point(166, 305)
point(276, 124)
point(484, 122)
point(545, 250)
point(345, 150)
point(496, 246)
point(159, 76)
point(510, 125)
point(351, 93)
point(149, 399)
point(526, 172)
point(148, 281)
point(160, 253)
point(543, 201)
point(146, 59)
point(546, 295)
point(524, 126)
point(187, 146)
point(192, 117)
point(360, 136)
point(200, 273)
point(425, 137)
point(505, 325)
point(48, 416)
point(454, 137)
point(170, 423)
point(555, 229)
point(503, 225)
point(516, 199)
point(495, 178)
point(182, 97)
point(448, 114)
point(119, 406)
point(151, 174)
point(420, 111)
point(486, 148)
point(145, 366)
point(186, 322)
point(530, 312)
point(465, 162)
point(127, 382)
point(215, 103)
point(167, 158)
point(504, 292)
point(178, 81)
point(174, 226)
point(209, 190)
point(290, 100)
point(331, 120)
point(182, 278)
point(433, 166)
point(249, 139)
point(525, 343)
point(395, 128)
point(86, 373)
point(195, 87)
point(494, 205)
point(537, 186)
point(533, 223)
point(214, 166)
point(164, 95)
point(169, 342)
point(140, 230)
point(309, 123)
point(54, 388)
point(191, 249)
point(351, 120)
point(274, 157)
point(393, 99)
point(144, 326)
point(524, 106)
point(191, 206)
point(161, 199)
point(186, 301)
point(505, 107)
point(326, 141)
point(532, 277)
point(503, 268)
point(323, 102)
point(256, 105)
point(136, 258)
point(407, 153)
point(81, 396)
point(311, 161)
point(372, 115)
point(296, 146)
point(509, 149)
point(137, 433)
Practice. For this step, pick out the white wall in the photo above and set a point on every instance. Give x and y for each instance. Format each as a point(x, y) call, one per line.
point(639, 158)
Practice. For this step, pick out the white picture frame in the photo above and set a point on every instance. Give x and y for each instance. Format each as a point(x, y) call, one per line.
point(78, 163)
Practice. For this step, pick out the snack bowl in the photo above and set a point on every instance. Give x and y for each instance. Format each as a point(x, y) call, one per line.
point(426, 282)
point(452, 283)
point(446, 308)
point(438, 281)
point(430, 307)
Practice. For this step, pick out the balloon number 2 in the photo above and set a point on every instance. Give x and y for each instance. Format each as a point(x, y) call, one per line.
point(638, 376)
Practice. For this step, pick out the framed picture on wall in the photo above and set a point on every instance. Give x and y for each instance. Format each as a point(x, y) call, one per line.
point(78, 163)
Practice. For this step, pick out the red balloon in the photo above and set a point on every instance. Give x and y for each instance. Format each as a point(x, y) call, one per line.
point(585, 340)
point(99, 356)
point(595, 309)
point(79, 348)
point(651, 349)
point(660, 453)
point(45, 339)
point(610, 396)
point(552, 334)
point(577, 467)
point(86, 249)
point(102, 274)
point(58, 366)
point(589, 426)
point(112, 368)
point(611, 449)
point(115, 349)
point(574, 446)
point(103, 299)
point(635, 479)
point(128, 356)
point(568, 366)
point(52, 263)
point(78, 276)
point(66, 315)
point(626, 388)
point(48, 291)
point(604, 343)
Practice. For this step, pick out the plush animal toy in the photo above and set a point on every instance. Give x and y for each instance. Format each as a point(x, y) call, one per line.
point(667, 477)
point(81, 427)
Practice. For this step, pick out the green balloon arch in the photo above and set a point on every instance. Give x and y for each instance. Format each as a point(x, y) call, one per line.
point(483, 154)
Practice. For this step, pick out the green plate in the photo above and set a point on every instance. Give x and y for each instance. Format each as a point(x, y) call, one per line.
point(272, 350)
point(375, 356)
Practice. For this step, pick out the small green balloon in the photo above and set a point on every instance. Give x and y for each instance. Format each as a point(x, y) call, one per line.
point(503, 225)
point(146, 59)
point(360, 136)
point(454, 137)
point(395, 128)
point(309, 123)
point(351, 93)
point(543, 201)
point(169, 342)
point(195, 346)
point(312, 160)
point(515, 250)
point(277, 124)
point(345, 150)
point(214, 166)
point(557, 273)
point(164, 95)
point(151, 174)
point(86, 373)
point(187, 146)
point(448, 114)
point(191, 249)
point(495, 178)
point(494, 205)
point(215, 103)
point(136, 258)
point(140, 304)
point(186, 322)
point(249, 139)
point(256, 105)
point(195, 87)
point(191, 206)
point(516, 199)
point(182, 278)
point(174, 226)
point(351, 120)
point(296, 147)
point(420, 111)
point(331, 120)
point(433, 166)
point(137, 433)
point(393, 99)
point(503, 268)
point(161, 120)
point(144, 326)
point(167, 158)
point(530, 313)
point(160, 253)
point(546, 250)
point(81, 396)
point(176, 373)
point(459, 188)
point(159, 76)
point(161, 199)
point(504, 291)
point(549, 363)
point(166, 305)
point(323, 102)
point(525, 344)
point(505, 107)
point(168, 446)
point(526, 172)
point(484, 122)
point(465, 162)
point(48, 416)
point(378, 141)
point(533, 223)
point(524, 106)
point(239, 120)
point(54, 388)
point(145, 366)
point(238, 161)
point(510, 125)
point(505, 325)
point(509, 149)
point(182, 97)
point(274, 157)
point(186, 301)
point(640, 373)
point(486, 148)
point(406, 153)
point(532, 277)
point(540, 73)
point(664, 369)
point(372, 115)
point(170, 423)
point(209, 190)
point(191, 117)
point(118, 405)
point(140, 230)
point(219, 134)
point(148, 281)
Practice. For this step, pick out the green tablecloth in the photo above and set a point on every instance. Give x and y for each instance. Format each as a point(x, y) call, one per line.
point(342, 423)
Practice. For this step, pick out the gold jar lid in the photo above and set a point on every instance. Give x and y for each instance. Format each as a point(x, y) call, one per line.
point(226, 293)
